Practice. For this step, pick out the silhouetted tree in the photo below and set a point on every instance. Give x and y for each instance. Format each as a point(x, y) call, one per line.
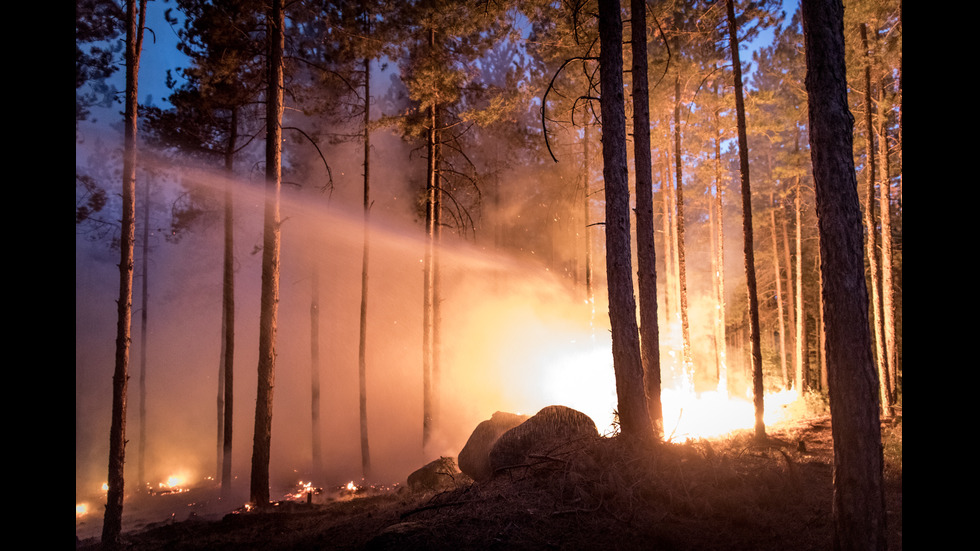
point(269, 308)
point(859, 497)
point(112, 525)
point(646, 256)
point(748, 247)
point(634, 415)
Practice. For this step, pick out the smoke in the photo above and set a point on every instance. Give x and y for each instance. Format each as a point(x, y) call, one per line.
point(515, 336)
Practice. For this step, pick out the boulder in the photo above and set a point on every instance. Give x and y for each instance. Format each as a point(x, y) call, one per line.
point(435, 475)
point(474, 458)
point(548, 430)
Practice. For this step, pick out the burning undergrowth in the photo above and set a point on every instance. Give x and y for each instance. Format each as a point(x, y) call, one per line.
point(587, 493)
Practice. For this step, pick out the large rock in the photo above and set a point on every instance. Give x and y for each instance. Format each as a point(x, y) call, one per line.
point(548, 430)
point(436, 475)
point(474, 458)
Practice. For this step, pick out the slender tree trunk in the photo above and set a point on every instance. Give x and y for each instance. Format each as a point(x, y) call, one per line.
point(778, 277)
point(719, 261)
point(362, 342)
point(646, 252)
point(141, 454)
point(226, 416)
point(688, 359)
point(748, 248)
point(269, 309)
point(587, 162)
point(670, 248)
point(790, 295)
point(887, 286)
point(859, 496)
point(634, 416)
point(112, 524)
point(802, 353)
point(315, 374)
point(428, 284)
point(872, 232)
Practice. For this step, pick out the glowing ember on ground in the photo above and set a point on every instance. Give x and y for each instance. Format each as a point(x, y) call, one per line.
point(301, 491)
point(351, 487)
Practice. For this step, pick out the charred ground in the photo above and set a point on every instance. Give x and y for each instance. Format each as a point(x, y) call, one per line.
point(596, 493)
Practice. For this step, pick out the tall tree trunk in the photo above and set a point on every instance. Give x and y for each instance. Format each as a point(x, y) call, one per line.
point(315, 374)
point(587, 170)
point(872, 232)
point(646, 262)
point(670, 241)
point(634, 415)
point(719, 262)
point(428, 284)
point(748, 248)
point(802, 352)
point(226, 416)
point(112, 524)
point(269, 309)
point(141, 453)
point(790, 296)
point(688, 359)
point(887, 286)
point(362, 342)
point(778, 277)
point(859, 496)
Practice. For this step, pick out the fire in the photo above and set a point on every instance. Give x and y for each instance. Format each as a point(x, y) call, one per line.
point(81, 509)
point(579, 373)
point(351, 487)
point(175, 484)
point(300, 491)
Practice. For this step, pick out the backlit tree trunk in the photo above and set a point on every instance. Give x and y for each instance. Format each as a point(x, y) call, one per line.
point(226, 401)
point(112, 523)
point(362, 342)
point(802, 352)
point(719, 266)
point(872, 232)
point(269, 308)
point(141, 453)
point(634, 416)
point(859, 497)
point(688, 359)
point(748, 247)
point(646, 252)
point(778, 277)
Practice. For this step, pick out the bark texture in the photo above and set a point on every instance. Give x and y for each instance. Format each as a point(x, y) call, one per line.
point(269, 307)
point(633, 413)
point(646, 253)
point(859, 498)
point(748, 247)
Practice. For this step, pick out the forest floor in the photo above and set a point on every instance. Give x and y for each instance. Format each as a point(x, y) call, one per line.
point(722, 494)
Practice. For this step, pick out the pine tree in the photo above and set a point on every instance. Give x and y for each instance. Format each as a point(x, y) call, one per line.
point(859, 498)
point(268, 315)
point(748, 246)
point(633, 413)
point(112, 525)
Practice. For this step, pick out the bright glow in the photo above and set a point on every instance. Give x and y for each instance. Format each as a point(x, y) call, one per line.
point(176, 483)
point(81, 509)
point(301, 490)
point(105, 486)
point(582, 377)
point(351, 487)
